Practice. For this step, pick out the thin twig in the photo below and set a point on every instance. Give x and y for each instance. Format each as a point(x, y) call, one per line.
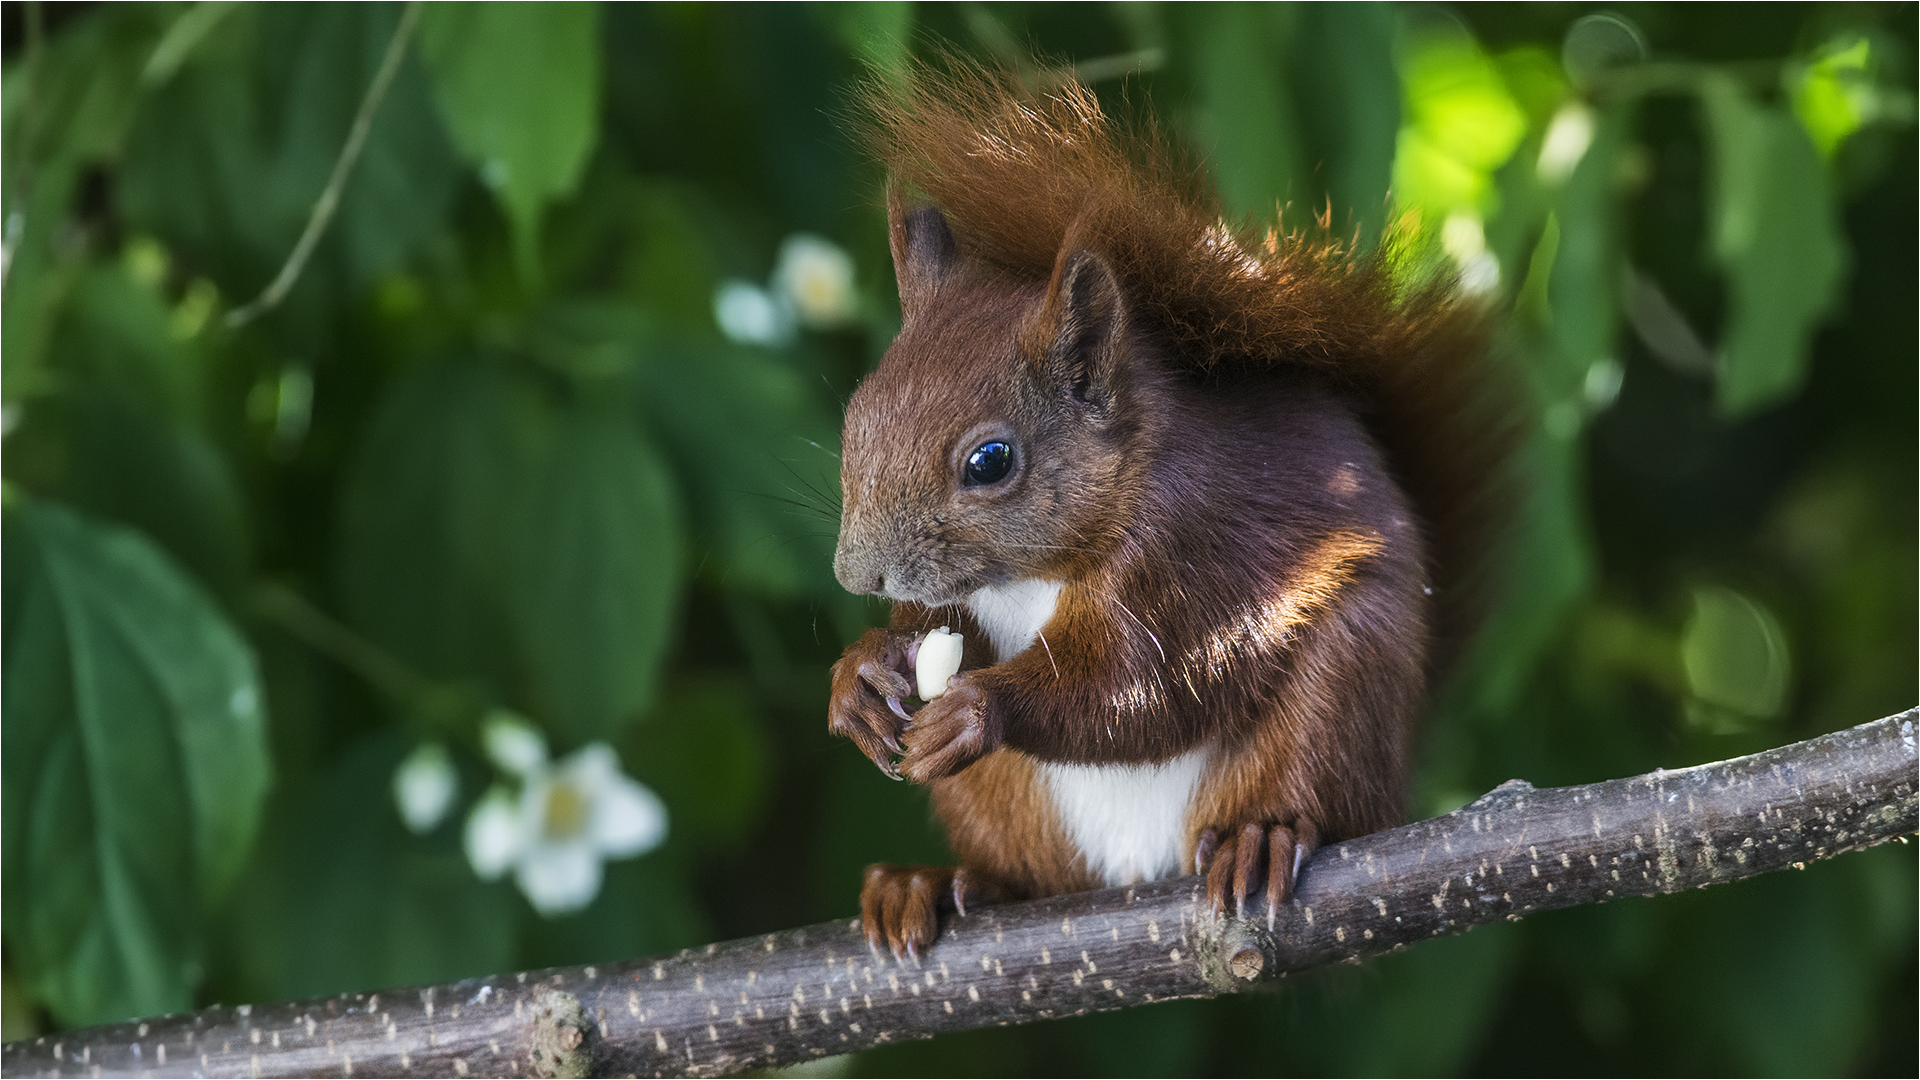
point(329, 200)
point(293, 613)
point(803, 994)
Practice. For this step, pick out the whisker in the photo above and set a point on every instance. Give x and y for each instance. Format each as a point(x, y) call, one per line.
point(834, 454)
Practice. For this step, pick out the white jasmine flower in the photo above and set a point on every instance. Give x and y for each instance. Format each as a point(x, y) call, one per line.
point(816, 278)
point(567, 819)
point(1568, 137)
point(494, 837)
point(750, 314)
point(512, 743)
point(424, 786)
point(1465, 239)
point(1480, 274)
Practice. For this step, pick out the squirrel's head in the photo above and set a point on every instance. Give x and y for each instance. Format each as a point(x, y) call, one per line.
point(996, 438)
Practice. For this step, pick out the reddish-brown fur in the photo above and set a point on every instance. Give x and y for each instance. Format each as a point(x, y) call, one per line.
point(1257, 468)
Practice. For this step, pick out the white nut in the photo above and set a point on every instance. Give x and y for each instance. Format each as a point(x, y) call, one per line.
point(938, 662)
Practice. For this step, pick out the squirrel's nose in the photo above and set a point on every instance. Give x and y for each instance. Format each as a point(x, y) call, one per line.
point(856, 575)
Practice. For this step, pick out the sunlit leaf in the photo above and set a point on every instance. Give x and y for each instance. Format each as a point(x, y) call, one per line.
point(1835, 93)
point(519, 86)
point(1776, 237)
point(1460, 124)
point(135, 760)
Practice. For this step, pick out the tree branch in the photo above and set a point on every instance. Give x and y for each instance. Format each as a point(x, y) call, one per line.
point(806, 993)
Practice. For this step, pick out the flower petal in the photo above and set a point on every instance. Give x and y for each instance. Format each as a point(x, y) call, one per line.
point(496, 834)
point(815, 277)
point(513, 744)
point(591, 767)
point(627, 818)
point(424, 786)
point(559, 878)
point(749, 314)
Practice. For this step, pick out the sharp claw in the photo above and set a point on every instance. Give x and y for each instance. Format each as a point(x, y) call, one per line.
point(1203, 850)
point(898, 710)
point(959, 895)
point(1273, 911)
point(1299, 860)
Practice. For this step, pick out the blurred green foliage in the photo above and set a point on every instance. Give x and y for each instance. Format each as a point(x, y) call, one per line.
point(494, 452)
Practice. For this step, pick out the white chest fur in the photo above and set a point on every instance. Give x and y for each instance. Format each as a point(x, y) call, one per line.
point(1129, 821)
point(1012, 614)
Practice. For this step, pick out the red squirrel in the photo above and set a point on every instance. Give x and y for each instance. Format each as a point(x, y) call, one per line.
point(1200, 501)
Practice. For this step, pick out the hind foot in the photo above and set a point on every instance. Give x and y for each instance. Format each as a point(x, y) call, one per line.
point(900, 906)
point(1240, 861)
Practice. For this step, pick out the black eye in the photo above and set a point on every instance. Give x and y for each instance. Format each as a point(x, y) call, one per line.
point(989, 463)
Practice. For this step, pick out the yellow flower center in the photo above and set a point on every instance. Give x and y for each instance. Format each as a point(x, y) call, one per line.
point(566, 813)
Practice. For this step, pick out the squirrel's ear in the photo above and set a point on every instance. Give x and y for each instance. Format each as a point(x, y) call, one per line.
point(924, 251)
point(1083, 333)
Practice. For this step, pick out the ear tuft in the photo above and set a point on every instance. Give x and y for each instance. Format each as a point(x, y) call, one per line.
point(924, 251)
point(1089, 315)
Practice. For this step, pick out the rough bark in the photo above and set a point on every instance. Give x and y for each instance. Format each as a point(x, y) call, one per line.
point(805, 993)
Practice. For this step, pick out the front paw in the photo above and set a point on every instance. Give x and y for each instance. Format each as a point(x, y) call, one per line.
point(864, 703)
point(952, 732)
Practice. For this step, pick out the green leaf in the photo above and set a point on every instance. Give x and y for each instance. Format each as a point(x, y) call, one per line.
point(501, 530)
point(344, 898)
point(1777, 238)
point(130, 428)
point(1296, 105)
point(519, 86)
point(1735, 652)
point(704, 751)
point(879, 32)
point(759, 451)
point(226, 158)
point(429, 517)
point(1348, 94)
point(70, 113)
point(1244, 113)
point(135, 765)
point(598, 574)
